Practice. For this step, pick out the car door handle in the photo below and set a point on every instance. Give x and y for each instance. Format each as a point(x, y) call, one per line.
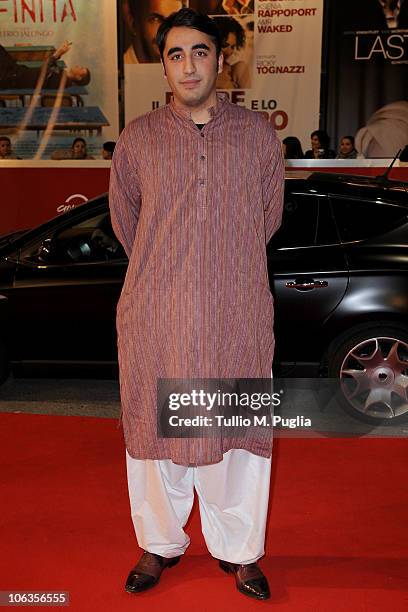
point(307, 285)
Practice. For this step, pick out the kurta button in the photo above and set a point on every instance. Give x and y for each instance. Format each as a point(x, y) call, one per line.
point(202, 181)
point(202, 157)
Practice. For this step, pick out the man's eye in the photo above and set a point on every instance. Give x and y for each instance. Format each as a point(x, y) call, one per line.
point(201, 53)
point(154, 19)
point(175, 57)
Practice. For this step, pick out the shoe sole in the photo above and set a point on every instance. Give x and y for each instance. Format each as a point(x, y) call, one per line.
point(227, 570)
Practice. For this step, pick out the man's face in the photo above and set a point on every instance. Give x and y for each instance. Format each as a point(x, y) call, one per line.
point(152, 15)
point(191, 66)
point(106, 154)
point(5, 148)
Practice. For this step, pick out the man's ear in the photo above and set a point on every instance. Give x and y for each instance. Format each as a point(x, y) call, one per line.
point(220, 62)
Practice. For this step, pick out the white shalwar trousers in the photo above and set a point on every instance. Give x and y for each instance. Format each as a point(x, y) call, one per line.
point(233, 499)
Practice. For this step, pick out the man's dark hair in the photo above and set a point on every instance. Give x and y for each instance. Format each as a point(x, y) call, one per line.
point(5, 139)
point(229, 25)
point(323, 137)
point(136, 9)
point(109, 146)
point(188, 18)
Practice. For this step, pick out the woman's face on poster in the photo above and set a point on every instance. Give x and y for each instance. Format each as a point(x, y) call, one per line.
point(229, 45)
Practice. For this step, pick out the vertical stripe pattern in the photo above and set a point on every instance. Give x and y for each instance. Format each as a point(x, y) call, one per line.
point(194, 210)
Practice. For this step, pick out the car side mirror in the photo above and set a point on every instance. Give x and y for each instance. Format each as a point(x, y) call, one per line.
point(47, 250)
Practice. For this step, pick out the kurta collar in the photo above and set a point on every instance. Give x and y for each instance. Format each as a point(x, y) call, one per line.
point(214, 111)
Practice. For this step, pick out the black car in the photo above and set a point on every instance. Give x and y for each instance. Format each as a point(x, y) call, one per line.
point(338, 269)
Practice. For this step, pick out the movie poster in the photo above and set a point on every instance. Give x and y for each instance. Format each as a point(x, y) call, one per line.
point(368, 74)
point(58, 77)
point(272, 53)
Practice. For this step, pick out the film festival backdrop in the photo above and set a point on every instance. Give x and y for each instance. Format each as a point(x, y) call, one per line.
point(368, 74)
point(272, 50)
point(52, 91)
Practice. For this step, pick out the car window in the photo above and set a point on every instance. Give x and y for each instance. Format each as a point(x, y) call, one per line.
point(359, 220)
point(91, 240)
point(299, 222)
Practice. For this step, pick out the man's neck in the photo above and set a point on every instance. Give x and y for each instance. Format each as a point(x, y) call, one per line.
point(200, 114)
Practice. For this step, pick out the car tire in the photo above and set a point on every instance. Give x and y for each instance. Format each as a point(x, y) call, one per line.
point(371, 363)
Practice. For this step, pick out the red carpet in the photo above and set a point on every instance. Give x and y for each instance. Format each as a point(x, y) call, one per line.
point(337, 537)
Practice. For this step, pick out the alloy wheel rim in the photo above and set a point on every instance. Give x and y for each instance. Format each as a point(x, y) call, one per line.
point(374, 377)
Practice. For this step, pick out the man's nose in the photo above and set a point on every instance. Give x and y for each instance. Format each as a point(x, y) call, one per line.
point(189, 65)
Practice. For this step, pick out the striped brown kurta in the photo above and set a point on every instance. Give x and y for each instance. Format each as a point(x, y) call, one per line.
point(194, 210)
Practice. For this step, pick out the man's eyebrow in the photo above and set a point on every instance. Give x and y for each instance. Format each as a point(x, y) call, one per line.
point(194, 47)
point(201, 46)
point(173, 50)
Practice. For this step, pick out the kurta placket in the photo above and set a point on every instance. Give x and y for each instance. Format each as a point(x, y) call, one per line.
point(203, 179)
point(194, 211)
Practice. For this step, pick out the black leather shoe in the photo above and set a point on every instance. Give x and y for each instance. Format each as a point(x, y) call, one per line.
point(249, 578)
point(146, 574)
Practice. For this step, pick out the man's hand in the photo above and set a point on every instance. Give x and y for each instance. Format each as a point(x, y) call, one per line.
point(62, 49)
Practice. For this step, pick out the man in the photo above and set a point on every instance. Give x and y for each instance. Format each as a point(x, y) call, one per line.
point(108, 148)
point(196, 192)
point(143, 19)
point(16, 76)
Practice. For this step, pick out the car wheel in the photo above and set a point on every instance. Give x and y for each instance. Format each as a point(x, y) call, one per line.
point(372, 365)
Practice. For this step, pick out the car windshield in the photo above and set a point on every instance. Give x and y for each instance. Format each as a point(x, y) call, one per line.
point(88, 241)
